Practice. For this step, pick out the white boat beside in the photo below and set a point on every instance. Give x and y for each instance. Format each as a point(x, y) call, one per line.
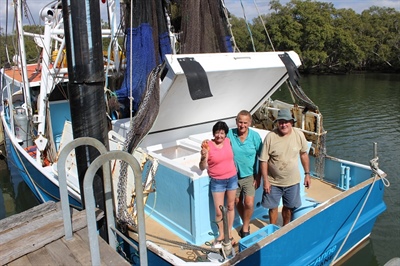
point(191, 92)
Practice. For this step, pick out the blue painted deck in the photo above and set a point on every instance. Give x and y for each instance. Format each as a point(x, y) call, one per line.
point(183, 201)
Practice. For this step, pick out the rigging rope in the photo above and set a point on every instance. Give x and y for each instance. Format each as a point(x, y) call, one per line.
point(235, 47)
point(6, 44)
point(263, 23)
point(131, 66)
point(248, 26)
point(302, 97)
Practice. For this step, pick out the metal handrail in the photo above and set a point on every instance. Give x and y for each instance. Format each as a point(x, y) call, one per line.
point(89, 202)
point(89, 196)
point(62, 178)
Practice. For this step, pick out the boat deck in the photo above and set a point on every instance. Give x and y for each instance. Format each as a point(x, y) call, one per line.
point(319, 191)
point(15, 73)
point(36, 237)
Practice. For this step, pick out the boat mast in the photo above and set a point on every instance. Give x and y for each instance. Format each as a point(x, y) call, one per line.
point(83, 37)
point(22, 59)
point(46, 85)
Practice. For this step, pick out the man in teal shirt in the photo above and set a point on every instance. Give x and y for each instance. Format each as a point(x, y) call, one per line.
point(246, 145)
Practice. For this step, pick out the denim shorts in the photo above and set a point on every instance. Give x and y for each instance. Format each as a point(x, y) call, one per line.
point(290, 197)
point(221, 185)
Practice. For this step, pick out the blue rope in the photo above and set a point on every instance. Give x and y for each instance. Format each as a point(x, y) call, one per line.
point(248, 26)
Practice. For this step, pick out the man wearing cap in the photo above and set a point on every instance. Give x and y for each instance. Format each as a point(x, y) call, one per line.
point(279, 167)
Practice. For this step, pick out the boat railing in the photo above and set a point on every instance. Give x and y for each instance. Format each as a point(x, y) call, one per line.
point(8, 107)
point(309, 122)
point(101, 161)
point(270, 110)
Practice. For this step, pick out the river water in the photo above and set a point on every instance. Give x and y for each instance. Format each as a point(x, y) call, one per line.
point(358, 109)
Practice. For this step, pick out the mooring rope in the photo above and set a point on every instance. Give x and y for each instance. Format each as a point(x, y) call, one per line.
point(185, 245)
point(374, 168)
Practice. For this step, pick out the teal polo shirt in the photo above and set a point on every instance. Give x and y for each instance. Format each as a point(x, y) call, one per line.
point(246, 153)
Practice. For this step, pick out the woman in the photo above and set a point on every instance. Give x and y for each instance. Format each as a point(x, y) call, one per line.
point(217, 158)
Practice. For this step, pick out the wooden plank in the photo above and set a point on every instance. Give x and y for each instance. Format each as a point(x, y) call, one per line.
point(20, 231)
point(26, 216)
point(36, 234)
point(79, 249)
point(60, 253)
point(23, 261)
point(108, 255)
point(41, 257)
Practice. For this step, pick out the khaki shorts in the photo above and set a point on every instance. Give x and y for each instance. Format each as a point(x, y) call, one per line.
point(246, 187)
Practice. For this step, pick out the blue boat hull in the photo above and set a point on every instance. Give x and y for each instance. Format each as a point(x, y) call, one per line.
point(322, 233)
point(40, 185)
point(319, 234)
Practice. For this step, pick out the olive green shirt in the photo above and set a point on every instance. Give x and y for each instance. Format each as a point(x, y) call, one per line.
point(282, 154)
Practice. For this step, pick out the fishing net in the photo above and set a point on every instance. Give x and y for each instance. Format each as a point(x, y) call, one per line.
point(140, 126)
point(204, 28)
point(146, 44)
point(141, 60)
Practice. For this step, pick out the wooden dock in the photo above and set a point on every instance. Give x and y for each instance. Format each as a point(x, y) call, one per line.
point(36, 237)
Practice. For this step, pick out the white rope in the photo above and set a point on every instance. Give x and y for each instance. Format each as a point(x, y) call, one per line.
point(130, 69)
point(262, 22)
point(154, 168)
point(354, 223)
point(150, 179)
point(235, 48)
point(373, 164)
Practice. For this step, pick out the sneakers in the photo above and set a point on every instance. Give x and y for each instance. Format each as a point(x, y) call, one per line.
point(244, 234)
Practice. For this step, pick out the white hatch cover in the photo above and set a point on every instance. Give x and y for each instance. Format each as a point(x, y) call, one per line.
point(221, 85)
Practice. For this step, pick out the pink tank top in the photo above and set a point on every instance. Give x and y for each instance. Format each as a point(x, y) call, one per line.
point(220, 160)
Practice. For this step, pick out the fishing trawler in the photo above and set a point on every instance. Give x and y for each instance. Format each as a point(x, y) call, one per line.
point(159, 111)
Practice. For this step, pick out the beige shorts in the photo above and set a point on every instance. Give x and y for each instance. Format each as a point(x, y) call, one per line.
point(246, 187)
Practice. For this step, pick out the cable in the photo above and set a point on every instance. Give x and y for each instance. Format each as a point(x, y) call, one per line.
point(230, 27)
point(248, 26)
point(263, 23)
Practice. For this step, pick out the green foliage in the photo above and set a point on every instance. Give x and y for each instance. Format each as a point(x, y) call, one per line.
point(10, 43)
point(6, 44)
point(327, 39)
point(241, 34)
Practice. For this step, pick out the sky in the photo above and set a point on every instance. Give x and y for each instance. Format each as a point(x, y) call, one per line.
point(234, 6)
